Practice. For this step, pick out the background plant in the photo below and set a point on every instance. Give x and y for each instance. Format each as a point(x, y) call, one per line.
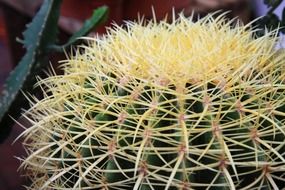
point(39, 40)
point(271, 21)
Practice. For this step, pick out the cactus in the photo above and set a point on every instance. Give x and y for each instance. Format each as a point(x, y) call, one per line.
point(157, 105)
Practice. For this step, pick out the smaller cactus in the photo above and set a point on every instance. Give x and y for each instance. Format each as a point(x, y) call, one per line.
point(163, 106)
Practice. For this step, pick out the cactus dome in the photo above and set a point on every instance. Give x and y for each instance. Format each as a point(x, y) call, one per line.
point(158, 105)
point(179, 52)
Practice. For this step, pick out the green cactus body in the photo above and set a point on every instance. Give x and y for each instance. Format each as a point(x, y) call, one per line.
point(163, 106)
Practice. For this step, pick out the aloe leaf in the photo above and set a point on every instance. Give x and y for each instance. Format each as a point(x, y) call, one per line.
point(98, 17)
point(40, 33)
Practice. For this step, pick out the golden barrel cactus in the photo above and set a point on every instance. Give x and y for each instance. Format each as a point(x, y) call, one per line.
point(157, 105)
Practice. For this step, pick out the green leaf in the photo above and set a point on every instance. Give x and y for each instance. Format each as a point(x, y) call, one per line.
point(273, 21)
point(282, 28)
point(268, 22)
point(283, 15)
point(272, 3)
point(40, 33)
point(98, 17)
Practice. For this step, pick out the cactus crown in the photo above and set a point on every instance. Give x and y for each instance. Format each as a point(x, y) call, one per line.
point(181, 51)
point(163, 106)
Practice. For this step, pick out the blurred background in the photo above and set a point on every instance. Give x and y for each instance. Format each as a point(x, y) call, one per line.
point(15, 14)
